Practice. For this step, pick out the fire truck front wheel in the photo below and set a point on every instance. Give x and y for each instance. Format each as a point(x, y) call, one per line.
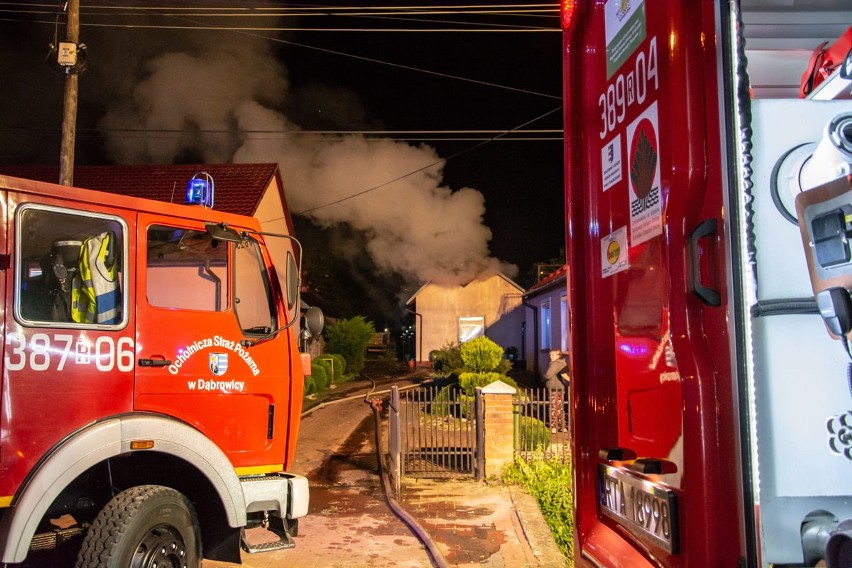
point(143, 527)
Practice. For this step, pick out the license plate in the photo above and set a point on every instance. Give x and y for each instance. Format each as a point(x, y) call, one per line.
point(643, 507)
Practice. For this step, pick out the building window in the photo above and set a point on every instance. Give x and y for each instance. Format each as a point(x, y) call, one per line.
point(544, 323)
point(563, 322)
point(471, 327)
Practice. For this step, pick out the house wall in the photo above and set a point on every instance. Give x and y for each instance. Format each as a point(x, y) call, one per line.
point(535, 347)
point(270, 213)
point(496, 299)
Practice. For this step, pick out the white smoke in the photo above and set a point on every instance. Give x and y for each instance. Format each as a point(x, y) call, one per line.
point(416, 227)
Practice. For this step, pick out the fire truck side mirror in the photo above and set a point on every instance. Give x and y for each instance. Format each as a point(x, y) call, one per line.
point(314, 321)
point(221, 232)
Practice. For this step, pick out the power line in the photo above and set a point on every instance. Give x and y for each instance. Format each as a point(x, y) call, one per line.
point(427, 166)
point(517, 135)
point(377, 12)
point(495, 28)
point(482, 136)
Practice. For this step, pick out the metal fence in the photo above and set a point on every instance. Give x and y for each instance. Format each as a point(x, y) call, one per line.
point(433, 432)
point(540, 431)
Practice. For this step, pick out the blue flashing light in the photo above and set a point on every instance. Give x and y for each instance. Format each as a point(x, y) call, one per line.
point(199, 190)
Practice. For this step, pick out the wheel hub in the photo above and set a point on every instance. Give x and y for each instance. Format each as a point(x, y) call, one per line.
point(161, 548)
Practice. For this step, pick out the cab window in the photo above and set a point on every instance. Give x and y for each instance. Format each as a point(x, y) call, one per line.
point(186, 269)
point(189, 269)
point(252, 297)
point(70, 267)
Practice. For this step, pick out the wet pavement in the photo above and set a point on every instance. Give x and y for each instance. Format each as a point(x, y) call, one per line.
point(350, 523)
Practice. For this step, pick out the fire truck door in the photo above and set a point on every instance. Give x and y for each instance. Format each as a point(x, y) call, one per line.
point(192, 363)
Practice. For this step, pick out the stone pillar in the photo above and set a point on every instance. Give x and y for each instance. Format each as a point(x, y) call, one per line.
point(498, 426)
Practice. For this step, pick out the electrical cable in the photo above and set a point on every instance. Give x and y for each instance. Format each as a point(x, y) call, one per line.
point(435, 163)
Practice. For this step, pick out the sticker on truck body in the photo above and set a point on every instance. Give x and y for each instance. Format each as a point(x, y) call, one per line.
point(626, 26)
point(614, 252)
point(645, 200)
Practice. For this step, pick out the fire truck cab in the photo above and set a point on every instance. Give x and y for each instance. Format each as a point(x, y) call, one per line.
point(708, 215)
point(151, 378)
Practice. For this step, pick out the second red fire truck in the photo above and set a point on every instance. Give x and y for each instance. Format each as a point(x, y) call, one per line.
point(709, 267)
point(151, 378)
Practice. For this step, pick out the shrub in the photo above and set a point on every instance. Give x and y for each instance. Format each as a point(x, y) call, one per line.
point(349, 338)
point(534, 434)
point(319, 375)
point(481, 355)
point(447, 360)
point(483, 364)
point(310, 385)
point(441, 405)
point(550, 482)
point(339, 365)
point(326, 363)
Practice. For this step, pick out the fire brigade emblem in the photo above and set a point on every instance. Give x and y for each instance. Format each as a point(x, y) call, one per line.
point(218, 363)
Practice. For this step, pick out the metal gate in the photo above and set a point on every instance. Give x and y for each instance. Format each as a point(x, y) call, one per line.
point(434, 433)
point(536, 435)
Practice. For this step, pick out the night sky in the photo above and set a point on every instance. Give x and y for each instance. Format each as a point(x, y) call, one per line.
point(401, 82)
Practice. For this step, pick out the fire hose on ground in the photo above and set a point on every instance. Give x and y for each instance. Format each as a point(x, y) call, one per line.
point(437, 559)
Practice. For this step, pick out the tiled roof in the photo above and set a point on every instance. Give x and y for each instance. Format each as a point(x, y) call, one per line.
point(239, 187)
point(548, 281)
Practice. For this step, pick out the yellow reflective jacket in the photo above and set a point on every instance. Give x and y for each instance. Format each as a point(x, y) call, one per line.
point(95, 296)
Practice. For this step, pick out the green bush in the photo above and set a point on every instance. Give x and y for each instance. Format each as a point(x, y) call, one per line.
point(447, 360)
point(470, 381)
point(481, 355)
point(326, 363)
point(339, 366)
point(483, 364)
point(349, 338)
point(534, 435)
point(319, 375)
point(441, 404)
point(550, 482)
point(310, 385)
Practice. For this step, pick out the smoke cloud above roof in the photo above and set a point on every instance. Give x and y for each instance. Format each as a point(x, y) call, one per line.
point(415, 226)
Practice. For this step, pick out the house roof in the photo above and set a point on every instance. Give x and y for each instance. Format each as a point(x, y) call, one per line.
point(552, 280)
point(498, 274)
point(239, 187)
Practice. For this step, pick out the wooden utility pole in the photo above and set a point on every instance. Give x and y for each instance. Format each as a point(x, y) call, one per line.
point(69, 117)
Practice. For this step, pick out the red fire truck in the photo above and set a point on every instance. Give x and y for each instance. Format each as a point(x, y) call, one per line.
point(151, 378)
point(708, 213)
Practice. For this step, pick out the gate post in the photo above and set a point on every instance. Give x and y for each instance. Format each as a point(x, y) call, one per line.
point(498, 424)
point(394, 440)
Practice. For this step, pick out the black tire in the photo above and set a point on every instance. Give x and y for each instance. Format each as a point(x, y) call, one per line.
point(143, 527)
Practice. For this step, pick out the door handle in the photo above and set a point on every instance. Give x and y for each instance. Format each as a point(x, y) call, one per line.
point(154, 362)
point(710, 297)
